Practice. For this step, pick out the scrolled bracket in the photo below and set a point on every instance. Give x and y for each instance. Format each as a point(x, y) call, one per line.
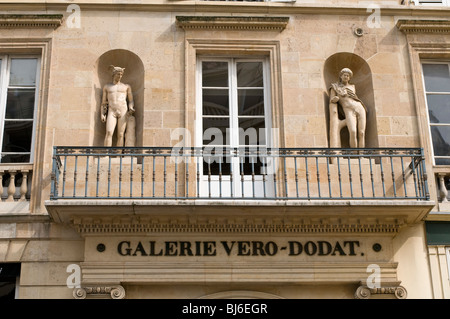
point(364, 292)
point(115, 292)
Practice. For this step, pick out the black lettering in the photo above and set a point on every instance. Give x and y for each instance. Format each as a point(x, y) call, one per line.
point(338, 248)
point(124, 251)
point(209, 248)
point(171, 248)
point(324, 248)
point(271, 248)
point(243, 248)
point(310, 248)
point(185, 246)
point(352, 246)
point(152, 250)
point(295, 248)
point(140, 248)
point(258, 248)
point(228, 248)
point(198, 248)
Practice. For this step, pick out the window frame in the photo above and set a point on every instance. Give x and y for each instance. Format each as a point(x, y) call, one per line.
point(232, 91)
point(4, 86)
point(235, 187)
point(425, 92)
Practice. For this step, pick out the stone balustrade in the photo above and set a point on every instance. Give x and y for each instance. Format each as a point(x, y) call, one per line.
point(443, 179)
point(15, 182)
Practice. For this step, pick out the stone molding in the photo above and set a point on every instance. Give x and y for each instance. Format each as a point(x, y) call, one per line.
point(269, 272)
point(364, 292)
point(232, 224)
point(116, 292)
point(424, 26)
point(51, 21)
point(233, 23)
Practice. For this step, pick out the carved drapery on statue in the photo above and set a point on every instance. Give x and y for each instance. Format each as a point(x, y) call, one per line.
point(117, 110)
point(346, 110)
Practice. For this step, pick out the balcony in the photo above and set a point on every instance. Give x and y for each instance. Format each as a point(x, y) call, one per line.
point(260, 174)
point(99, 181)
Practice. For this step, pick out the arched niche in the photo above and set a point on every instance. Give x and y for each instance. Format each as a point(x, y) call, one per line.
point(362, 78)
point(133, 75)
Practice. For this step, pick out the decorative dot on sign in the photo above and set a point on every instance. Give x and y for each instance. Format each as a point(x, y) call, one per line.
point(376, 247)
point(101, 248)
point(359, 32)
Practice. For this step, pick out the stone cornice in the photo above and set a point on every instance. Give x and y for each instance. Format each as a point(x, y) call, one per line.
point(51, 21)
point(250, 7)
point(424, 26)
point(232, 23)
point(230, 225)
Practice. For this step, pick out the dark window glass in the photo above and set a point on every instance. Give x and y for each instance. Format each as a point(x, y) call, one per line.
point(214, 74)
point(17, 136)
point(20, 104)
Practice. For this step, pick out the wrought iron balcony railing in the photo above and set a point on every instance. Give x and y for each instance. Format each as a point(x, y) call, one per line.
point(213, 173)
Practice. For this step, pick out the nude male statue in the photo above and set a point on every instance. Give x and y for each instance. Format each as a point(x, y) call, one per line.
point(115, 110)
point(344, 94)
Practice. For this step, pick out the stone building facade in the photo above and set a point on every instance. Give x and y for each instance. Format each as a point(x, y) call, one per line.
point(234, 184)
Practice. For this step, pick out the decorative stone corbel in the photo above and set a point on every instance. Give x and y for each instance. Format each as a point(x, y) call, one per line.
point(116, 292)
point(364, 292)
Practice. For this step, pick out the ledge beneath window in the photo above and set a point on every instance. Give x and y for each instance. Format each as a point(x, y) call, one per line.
point(424, 26)
point(233, 23)
point(51, 21)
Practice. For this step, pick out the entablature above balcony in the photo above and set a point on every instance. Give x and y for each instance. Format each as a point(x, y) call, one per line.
point(243, 216)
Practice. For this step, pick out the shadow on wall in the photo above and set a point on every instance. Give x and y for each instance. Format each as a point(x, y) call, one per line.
point(362, 78)
point(133, 75)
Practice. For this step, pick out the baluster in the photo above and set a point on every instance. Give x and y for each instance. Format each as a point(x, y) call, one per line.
point(1, 185)
point(24, 186)
point(443, 192)
point(11, 186)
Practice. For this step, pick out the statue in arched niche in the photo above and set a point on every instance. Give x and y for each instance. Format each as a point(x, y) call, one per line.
point(343, 94)
point(117, 110)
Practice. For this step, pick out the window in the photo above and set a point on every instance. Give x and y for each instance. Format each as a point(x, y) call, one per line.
point(235, 115)
point(9, 280)
point(19, 83)
point(437, 90)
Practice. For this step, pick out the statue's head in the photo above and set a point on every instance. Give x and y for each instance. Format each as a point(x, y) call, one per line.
point(116, 70)
point(345, 71)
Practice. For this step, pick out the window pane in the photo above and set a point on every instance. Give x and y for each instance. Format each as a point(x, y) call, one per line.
point(23, 72)
point(249, 74)
point(437, 77)
point(216, 165)
point(442, 161)
point(20, 104)
point(17, 136)
point(215, 131)
point(215, 102)
point(250, 102)
point(250, 165)
point(251, 131)
point(441, 140)
point(15, 158)
point(215, 74)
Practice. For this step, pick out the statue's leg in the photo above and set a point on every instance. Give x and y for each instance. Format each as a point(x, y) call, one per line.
point(121, 126)
point(362, 128)
point(350, 118)
point(110, 126)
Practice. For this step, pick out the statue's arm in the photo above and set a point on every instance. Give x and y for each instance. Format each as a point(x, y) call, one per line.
point(334, 98)
point(130, 100)
point(104, 106)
